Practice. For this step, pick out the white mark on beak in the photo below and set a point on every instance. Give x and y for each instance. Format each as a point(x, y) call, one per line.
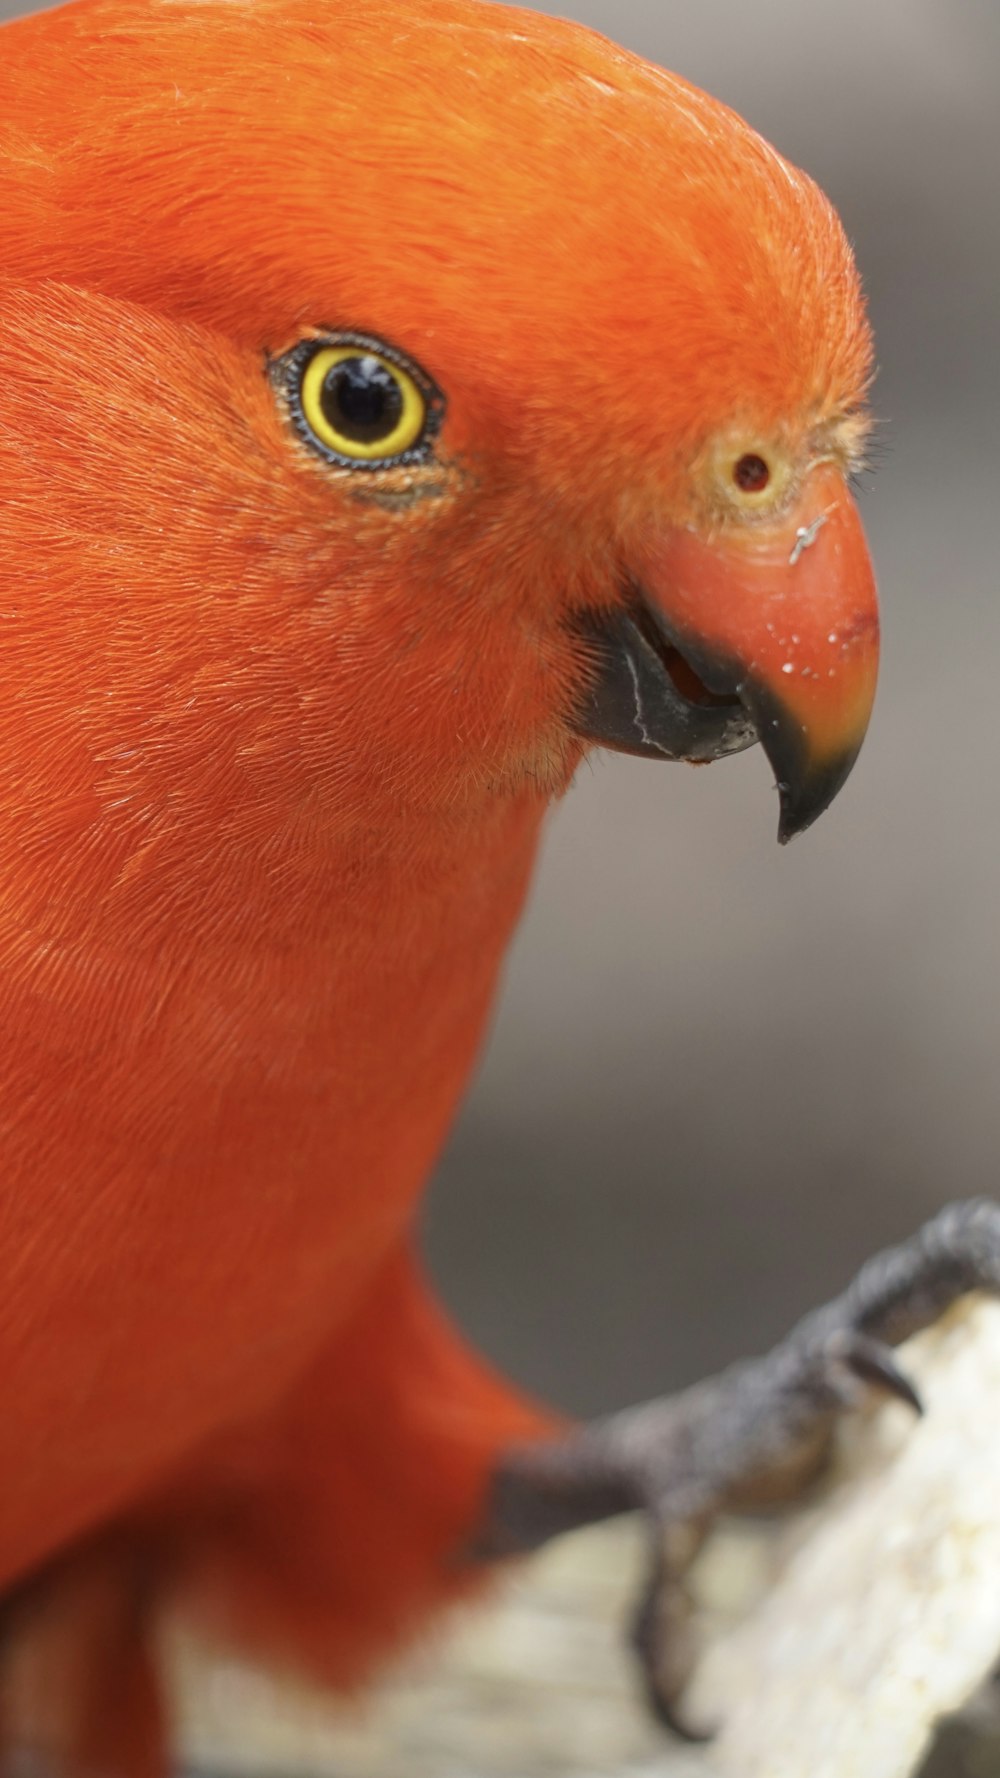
point(805, 536)
point(640, 713)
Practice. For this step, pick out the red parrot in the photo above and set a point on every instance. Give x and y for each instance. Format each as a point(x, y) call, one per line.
point(398, 398)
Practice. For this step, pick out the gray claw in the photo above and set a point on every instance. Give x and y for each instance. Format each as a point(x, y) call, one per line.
point(874, 1363)
point(660, 1630)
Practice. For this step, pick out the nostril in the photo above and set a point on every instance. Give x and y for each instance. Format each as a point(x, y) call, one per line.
point(751, 473)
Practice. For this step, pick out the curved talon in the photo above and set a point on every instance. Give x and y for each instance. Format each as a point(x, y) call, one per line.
point(665, 1713)
point(649, 1643)
point(874, 1363)
point(661, 1628)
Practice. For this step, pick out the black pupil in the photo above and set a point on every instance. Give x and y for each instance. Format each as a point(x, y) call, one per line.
point(751, 473)
point(361, 399)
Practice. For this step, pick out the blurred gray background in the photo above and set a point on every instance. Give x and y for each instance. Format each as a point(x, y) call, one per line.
point(722, 1073)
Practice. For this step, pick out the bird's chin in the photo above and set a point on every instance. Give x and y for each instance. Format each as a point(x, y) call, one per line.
point(647, 697)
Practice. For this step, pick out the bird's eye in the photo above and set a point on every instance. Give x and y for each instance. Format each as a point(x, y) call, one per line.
point(360, 403)
point(751, 473)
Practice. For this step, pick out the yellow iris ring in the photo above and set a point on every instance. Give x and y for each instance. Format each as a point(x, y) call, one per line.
point(405, 432)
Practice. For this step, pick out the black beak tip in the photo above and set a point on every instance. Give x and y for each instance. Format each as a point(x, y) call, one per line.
point(806, 794)
point(790, 822)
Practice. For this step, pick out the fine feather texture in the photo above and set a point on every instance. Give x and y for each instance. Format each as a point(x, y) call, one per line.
point(278, 740)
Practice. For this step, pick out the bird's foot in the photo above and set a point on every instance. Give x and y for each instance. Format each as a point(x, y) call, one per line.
point(749, 1438)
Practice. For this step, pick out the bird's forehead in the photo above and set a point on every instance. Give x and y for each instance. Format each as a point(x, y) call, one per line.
point(503, 194)
point(574, 227)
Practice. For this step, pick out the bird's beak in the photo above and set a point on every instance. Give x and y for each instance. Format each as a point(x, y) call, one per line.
point(767, 631)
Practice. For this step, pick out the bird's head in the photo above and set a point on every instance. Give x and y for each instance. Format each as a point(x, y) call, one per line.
point(450, 389)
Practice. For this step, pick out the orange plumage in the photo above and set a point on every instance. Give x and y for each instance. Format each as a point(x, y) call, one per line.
point(278, 737)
